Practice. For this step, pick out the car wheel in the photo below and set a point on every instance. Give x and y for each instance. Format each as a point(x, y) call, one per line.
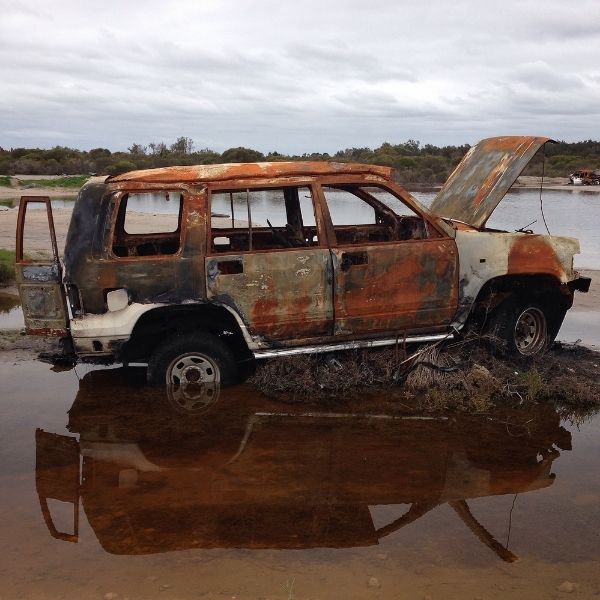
point(188, 363)
point(520, 328)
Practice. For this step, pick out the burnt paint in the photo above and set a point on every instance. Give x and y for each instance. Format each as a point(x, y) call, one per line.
point(40, 273)
point(237, 171)
point(404, 285)
point(483, 177)
point(91, 265)
point(534, 254)
point(280, 295)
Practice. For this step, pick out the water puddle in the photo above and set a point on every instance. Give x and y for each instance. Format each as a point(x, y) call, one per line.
point(11, 315)
point(115, 488)
point(583, 326)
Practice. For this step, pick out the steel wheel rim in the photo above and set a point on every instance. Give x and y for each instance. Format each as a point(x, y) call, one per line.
point(193, 368)
point(530, 331)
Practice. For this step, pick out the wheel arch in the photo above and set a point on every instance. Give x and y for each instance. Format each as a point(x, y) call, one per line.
point(544, 289)
point(159, 323)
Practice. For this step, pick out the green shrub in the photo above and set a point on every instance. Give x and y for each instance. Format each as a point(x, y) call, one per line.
point(122, 166)
point(72, 181)
point(7, 266)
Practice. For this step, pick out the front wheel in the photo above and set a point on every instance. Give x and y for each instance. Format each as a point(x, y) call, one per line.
point(190, 361)
point(520, 328)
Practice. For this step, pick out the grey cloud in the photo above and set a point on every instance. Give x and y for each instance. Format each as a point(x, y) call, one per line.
point(311, 76)
point(540, 76)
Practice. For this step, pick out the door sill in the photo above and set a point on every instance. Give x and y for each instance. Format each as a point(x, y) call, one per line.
point(351, 345)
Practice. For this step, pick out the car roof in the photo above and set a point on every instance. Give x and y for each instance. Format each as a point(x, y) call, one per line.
point(228, 171)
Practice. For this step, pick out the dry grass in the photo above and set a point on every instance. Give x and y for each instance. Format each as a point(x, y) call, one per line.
point(459, 376)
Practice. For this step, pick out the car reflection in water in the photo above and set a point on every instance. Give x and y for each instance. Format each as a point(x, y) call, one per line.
point(158, 474)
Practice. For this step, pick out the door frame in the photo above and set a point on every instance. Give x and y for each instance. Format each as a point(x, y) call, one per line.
point(40, 280)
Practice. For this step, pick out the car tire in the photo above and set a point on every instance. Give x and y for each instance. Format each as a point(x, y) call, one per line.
point(520, 328)
point(193, 359)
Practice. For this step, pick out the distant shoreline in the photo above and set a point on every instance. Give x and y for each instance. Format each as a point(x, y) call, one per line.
point(14, 193)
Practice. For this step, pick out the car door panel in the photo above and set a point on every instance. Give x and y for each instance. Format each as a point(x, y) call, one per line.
point(280, 295)
point(395, 286)
point(40, 279)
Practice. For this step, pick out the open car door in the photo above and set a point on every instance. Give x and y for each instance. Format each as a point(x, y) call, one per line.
point(40, 279)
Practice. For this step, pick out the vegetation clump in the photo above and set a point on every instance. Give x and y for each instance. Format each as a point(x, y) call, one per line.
point(7, 266)
point(73, 181)
point(462, 376)
point(415, 163)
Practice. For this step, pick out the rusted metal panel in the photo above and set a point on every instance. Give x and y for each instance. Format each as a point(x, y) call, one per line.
point(484, 256)
point(538, 254)
point(47, 331)
point(40, 280)
point(160, 278)
point(224, 172)
point(398, 287)
point(279, 294)
point(483, 177)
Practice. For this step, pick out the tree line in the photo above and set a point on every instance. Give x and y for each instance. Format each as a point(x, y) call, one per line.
point(414, 162)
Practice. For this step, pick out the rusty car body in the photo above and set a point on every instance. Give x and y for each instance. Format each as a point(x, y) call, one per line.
point(266, 259)
point(584, 177)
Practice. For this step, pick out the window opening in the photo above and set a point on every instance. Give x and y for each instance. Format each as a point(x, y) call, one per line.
point(276, 218)
point(148, 224)
point(370, 215)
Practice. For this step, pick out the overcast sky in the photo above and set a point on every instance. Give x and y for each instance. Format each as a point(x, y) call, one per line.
point(296, 76)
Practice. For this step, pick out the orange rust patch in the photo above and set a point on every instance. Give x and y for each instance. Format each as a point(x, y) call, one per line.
point(279, 319)
point(47, 332)
point(397, 285)
point(224, 172)
point(533, 254)
point(264, 310)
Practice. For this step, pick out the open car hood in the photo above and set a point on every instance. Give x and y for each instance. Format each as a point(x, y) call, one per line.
point(484, 176)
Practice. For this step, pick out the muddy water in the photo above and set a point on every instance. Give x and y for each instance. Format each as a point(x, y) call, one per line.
point(11, 315)
point(107, 487)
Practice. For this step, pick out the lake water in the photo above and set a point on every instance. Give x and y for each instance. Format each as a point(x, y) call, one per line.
point(113, 490)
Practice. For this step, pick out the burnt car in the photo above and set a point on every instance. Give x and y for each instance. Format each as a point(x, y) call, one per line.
point(237, 262)
point(585, 177)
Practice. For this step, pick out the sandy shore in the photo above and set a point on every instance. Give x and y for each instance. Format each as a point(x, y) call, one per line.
point(9, 193)
point(36, 232)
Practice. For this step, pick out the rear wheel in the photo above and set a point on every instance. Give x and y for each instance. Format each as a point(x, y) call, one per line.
point(192, 361)
point(520, 328)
